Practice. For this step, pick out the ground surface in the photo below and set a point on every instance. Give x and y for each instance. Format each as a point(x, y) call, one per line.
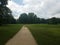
point(8, 31)
point(45, 34)
point(23, 37)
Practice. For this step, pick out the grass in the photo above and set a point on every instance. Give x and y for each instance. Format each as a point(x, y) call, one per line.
point(45, 34)
point(8, 31)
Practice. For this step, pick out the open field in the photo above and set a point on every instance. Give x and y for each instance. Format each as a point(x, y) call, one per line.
point(7, 32)
point(23, 37)
point(46, 34)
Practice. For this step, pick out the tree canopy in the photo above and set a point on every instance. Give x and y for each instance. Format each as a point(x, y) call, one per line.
point(3, 2)
point(31, 18)
point(5, 13)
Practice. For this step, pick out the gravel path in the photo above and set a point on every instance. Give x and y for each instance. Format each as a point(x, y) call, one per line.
point(23, 37)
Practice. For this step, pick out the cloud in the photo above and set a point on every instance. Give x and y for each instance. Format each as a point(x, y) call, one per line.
point(42, 8)
point(15, 8)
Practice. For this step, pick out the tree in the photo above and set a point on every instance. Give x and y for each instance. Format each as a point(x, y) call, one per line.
point(23, 18)
point(9, 19)
point(31, 18)
point(3, 2)
point(5, 13)
point(43, 21)
point(53, 20)
point(1, 16)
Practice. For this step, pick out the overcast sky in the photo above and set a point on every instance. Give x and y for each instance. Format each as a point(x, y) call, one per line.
point(42, 8)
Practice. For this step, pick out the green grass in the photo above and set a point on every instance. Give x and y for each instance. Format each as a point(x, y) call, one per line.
point(45, 34)
point(8, 31)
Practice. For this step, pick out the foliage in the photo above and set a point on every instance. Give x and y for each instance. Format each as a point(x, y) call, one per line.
point(31, 18)
point(5, 14)
point(3, 2)
point(54, 20)
point(23, 18)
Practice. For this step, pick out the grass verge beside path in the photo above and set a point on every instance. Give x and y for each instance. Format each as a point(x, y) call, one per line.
point(7, 32)
point(46, 34)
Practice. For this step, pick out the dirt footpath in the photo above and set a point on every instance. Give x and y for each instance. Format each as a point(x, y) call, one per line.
point(23, 37)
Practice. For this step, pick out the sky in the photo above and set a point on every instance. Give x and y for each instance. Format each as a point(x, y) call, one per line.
point(42, 8)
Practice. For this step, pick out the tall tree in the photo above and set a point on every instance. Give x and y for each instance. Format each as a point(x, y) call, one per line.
point(3, 2)
point(5, 13)
point(23, 18)
point(31, 17)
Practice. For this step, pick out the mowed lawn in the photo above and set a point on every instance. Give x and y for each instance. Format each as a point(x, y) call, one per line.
point(45, 34)
point(8, 31)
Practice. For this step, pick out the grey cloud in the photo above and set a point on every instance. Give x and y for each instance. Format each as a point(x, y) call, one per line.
point(57, 12)
point(48, 9)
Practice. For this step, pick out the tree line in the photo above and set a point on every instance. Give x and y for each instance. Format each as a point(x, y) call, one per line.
point(30, 18)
